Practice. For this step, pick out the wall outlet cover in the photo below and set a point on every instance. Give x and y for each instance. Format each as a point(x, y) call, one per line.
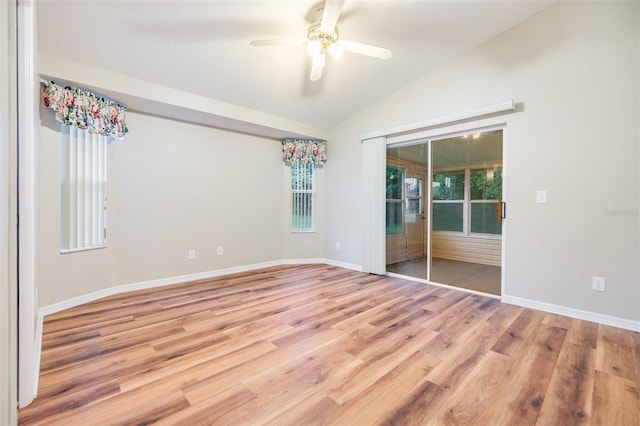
point(541, 197)
point(598, 283)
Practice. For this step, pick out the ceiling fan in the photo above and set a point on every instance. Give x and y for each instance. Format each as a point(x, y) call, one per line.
point(323, 37)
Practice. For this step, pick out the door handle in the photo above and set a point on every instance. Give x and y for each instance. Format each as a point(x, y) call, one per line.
point(502, 210)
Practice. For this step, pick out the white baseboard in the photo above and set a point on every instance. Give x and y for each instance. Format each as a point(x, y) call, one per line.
point(574, 313)
point(89, 297)
point(343, 265)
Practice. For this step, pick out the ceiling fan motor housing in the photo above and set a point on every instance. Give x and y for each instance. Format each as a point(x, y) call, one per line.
point(320, 41)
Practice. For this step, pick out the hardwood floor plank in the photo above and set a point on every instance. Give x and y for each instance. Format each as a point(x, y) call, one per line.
point(315, 410)
point(194, 367)
point(618, 353)
point(461, 359)
point(308, 341)
point(616, 401)
point(318, 344)
point(478, 404)
point(533, 374)
point(378, 360)
point(572, 384)
point(210, 410)
point(419, 406)
point(515, 339)
point(371, 407)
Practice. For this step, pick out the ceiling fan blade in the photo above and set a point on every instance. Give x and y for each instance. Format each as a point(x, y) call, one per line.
point(330, 15)
point(278, 41)
point(365, 49)
point(316, 73)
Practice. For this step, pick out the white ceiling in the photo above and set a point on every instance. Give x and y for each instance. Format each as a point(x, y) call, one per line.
point(203, 46)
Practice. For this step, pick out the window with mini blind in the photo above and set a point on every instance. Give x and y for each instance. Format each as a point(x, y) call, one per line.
point(84, 189)
point(302, 197)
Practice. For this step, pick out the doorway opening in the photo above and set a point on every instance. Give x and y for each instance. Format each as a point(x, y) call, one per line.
point(444, 210)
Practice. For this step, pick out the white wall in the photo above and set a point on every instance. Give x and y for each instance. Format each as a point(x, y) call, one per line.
point(575, 66)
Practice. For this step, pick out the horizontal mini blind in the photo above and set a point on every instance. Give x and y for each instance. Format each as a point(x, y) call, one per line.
point(83, 195)
point(302, 197)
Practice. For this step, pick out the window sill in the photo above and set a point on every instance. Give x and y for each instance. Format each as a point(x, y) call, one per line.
point(77, 250)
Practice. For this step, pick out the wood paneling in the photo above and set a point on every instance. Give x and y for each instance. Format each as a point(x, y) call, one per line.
point(396, 248)
point(486, 251)
point(321, 345)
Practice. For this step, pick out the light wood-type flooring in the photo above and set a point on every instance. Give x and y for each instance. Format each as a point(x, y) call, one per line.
point(471, 276)
point(321, 345)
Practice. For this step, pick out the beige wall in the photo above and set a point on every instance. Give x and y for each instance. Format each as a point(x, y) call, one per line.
point(575, 66)
point(172, 187)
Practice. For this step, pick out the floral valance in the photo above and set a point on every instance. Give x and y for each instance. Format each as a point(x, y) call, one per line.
point(85, 110)
point(304, 151)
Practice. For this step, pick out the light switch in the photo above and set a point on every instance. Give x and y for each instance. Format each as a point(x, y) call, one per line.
point(541, 197)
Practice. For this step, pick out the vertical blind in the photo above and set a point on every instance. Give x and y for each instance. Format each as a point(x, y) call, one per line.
point(374, 160)
point(84, 177)
point(302, 191)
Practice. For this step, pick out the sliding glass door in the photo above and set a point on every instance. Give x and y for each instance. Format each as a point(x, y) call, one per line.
point(466, 236)
point(444, 210)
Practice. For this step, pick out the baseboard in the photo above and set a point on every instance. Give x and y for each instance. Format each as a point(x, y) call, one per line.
point(343, 265)
point(89, 297)
point(574, 313)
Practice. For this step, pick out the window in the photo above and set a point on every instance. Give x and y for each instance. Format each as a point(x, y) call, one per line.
point(302, 197)
point(413, 197)
point(468, 193)
point(448, 201)
point(486, 190)
point(83, 194)
point(394, 204)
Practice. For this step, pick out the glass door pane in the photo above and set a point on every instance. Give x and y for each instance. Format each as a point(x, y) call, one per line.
point(407, 220)
point(466, 243)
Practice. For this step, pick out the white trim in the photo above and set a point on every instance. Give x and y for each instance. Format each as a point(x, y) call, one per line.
point(89, 297)
point(27, 107)
point(8, 215)
point(343, 265)
point(574, 313)
point(505, 107)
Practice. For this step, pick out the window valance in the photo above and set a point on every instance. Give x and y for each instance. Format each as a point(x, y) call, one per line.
point(304, 151)
point(85, 110)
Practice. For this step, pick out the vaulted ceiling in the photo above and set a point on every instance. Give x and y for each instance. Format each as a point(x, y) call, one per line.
point(202, 47)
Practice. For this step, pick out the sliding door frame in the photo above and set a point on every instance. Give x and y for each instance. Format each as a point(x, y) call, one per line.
point(447, 132)
point(489, 116)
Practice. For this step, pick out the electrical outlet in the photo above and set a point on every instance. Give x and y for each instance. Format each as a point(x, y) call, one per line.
point(220, 251)
point(191, 254)
point(598, 283)
point(338, 245)
point(541, 197)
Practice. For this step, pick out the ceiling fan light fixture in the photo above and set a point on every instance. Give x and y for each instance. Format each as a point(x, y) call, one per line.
point(323, 37)
point(335, 50)
point(318, 61)
point(314, 48)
